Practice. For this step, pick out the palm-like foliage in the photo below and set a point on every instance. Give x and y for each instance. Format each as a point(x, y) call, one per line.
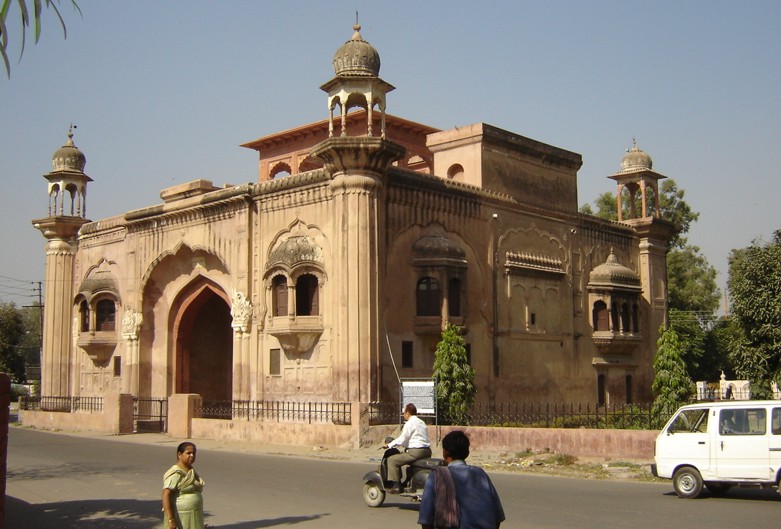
point(30, 14)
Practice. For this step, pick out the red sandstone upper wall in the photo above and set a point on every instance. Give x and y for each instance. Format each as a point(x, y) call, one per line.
point(287, 152)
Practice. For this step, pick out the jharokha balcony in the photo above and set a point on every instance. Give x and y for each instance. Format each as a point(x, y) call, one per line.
point(296, 334)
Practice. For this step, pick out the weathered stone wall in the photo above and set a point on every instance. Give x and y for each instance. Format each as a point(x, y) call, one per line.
point(603, 443)
point(116, 417)
point(298, 434)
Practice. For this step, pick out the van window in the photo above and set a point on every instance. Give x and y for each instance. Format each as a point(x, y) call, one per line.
point(689, 421)
point(776, 425)
point(743, 421)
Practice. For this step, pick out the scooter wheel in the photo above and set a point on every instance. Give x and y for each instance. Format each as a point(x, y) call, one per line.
point(373, 495)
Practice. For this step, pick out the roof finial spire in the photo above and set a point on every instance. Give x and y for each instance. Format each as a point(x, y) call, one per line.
point(70, 133)
point(357, 28)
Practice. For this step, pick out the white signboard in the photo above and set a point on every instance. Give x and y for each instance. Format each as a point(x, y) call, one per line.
point(421, 393)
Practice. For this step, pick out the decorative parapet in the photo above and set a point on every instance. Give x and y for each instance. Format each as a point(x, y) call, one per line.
point(526, 263)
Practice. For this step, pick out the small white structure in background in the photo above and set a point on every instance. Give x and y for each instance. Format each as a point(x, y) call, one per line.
point(727, 390)
point(730, 390)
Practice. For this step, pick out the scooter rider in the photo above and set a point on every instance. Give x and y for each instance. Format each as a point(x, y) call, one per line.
point(414, 439)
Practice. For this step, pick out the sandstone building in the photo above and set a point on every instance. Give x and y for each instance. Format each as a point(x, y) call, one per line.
point(363, 236)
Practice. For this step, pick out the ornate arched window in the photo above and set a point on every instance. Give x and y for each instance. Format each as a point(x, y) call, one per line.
point(280, 170)
point(105, 315)
point(428, 297)
point(84, 316)
point(600, 316)
point(454, 297)
point(279, 295)
point(307, 297)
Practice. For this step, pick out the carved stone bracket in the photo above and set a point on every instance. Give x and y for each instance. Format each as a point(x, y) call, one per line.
point(241, 311)
point(131, 324)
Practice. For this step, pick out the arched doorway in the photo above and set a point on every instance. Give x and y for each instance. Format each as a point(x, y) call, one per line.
point(204, 343)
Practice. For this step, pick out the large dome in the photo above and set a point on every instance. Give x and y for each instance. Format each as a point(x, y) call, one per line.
point(635, 160)
point(69, 157)
point(357, 57)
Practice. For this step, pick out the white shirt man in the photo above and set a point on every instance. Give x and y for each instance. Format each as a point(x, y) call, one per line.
point(415, 444)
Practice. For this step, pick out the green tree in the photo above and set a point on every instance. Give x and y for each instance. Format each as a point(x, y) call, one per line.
point(455, 377)
point(717, 347)
point(691, 341)
point(12, 331)
point(691, 283)
point(29, 13)
point(754, 286)
point(30, 344)
point(672, 386)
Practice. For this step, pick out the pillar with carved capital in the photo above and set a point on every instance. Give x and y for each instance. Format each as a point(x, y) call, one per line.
point(241, 311)
point(57, 352)
point(357, 166)
point(131, 327)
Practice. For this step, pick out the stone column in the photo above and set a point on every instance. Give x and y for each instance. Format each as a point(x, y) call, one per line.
point(241, 311)
point(57, 353)
point(131, 327)
point(357, 166)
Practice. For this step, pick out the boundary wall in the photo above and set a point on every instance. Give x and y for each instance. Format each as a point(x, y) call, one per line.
point(117, 418)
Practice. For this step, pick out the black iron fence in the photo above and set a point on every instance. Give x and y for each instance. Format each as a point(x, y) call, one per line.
point(541, 415)
point(561, 415)
point(385, 413)
point(278, 411)
point(62, 404)
point(150, 415)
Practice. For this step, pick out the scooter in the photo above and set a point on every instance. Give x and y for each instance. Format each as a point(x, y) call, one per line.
point(376, 484)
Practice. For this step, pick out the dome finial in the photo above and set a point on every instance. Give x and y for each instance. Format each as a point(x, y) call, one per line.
point(69, 157)
point(357, 28)
point(70, 134)
point(357, 57)
point(636, 159)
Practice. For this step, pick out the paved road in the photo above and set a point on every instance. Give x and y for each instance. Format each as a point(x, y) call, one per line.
point(63, 481)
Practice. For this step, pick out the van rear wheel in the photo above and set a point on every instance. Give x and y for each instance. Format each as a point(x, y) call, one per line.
point(687, 482)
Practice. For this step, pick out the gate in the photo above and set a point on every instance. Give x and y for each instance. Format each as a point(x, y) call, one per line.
point(150, 415)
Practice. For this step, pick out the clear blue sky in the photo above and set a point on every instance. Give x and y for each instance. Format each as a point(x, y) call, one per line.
point(163, 92)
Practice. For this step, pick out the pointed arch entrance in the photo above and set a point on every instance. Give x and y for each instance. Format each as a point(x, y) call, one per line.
point(203, 342)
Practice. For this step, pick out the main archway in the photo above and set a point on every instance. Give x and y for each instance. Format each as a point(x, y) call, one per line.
point(203, 338)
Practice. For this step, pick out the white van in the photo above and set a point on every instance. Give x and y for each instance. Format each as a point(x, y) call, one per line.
point(719, 445)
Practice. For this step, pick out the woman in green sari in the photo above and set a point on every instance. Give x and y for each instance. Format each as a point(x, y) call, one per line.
point(182, 486)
